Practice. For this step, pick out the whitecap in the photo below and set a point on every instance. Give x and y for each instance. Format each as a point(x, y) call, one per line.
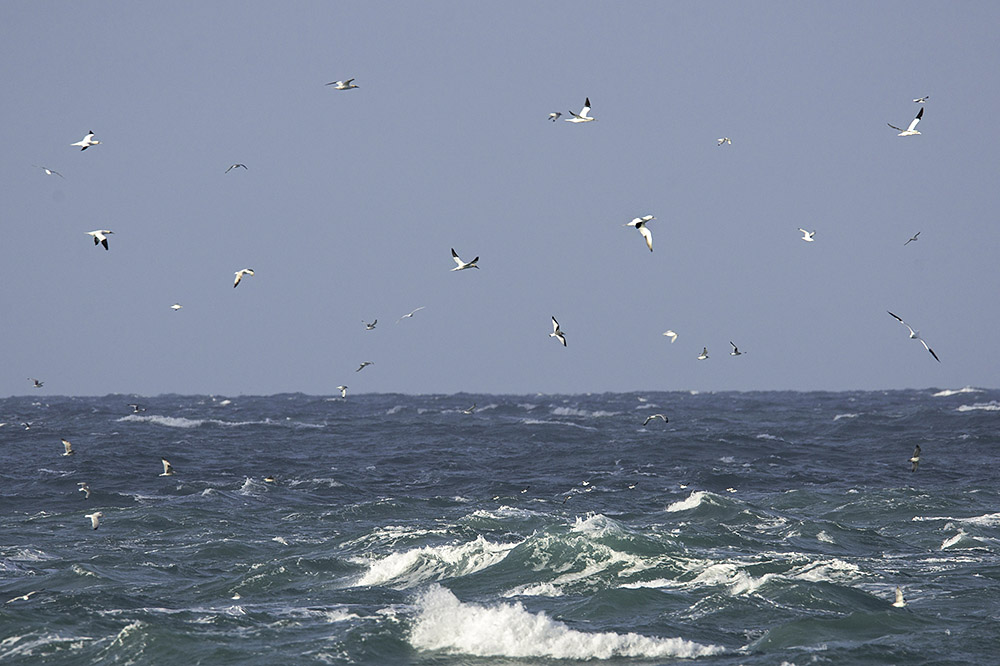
point(567, 424)
point(692, 501)
point(991, 406)
point(848, 415)
point(948, 392)
point(431, 563)
point(570, 411)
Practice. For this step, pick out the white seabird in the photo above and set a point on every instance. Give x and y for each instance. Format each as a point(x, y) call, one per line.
point(583, 116)
point(554, 116)
point(670, 334)
point(557, 333)
point(176, 306)
point(23, 597)
point(234, 166)
point(470, 409)
point(69, 448)
point(86, 142)
point(407, 316)
point(100, 236)
point(909, 131)
point(704, 354)
point(49, 172)
point(915, 335)
point(37, 382)
point(807, 236)
point(640, 224)
point(168, 469)
point(655, 416)
point(136, 408)
point(95, 518)
point(921, 100)
point(912, 238)
point(239, 275)
point(371, 326)
point(462, 265)
point(899, 602)
point(736, 350)
point(342, 85)
point(343, 391)
point(364, 364)
point(84, 488)
point(725, 139)
point(915, 458)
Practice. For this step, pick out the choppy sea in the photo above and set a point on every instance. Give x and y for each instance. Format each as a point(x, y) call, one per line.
point(752, 528)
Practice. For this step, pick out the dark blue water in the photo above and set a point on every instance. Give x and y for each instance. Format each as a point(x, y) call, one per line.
point(753, 528)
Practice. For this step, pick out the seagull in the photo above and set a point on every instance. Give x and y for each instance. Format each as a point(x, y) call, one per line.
point(176, 306)
point(85, 489)
point(342, 85)
point(49, 172)
point(915, 458)
point(899, 602)
point(364, 364)
point(23, 597)
point(554, 116)
point(168, 469)
point(86, 142)
point(95, 518)
point(912, 238)
point(234, 166)
point(462, 265)
point(100, 236)
point(909, 131)
point(69, 448)
point(736, 350)
point(640, 224)
point(407, 316)
point(915, 335)
point(470, 409)
point(655, 416)
point(239, 275)
point(371, 326)
point(704, 354)
point(725, 139)
point(37, 382)
point(583, 116)
point(137, 408)
point(807, 236)
point(556, 333)
point(670, 334)
point(343, 391)
point(921, 100)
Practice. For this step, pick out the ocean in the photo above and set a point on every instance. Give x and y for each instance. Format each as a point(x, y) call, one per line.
point(750, 528)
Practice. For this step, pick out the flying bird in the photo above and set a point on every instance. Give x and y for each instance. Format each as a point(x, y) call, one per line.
point(912, 238)
point(557, 333)
point(239, 275)
point(95, 518)
point(371, 326)
point(583, 116)
point(470, 409)
point(554, 116)
point(100, 236)
point(343, 391)
point(807, 236)
point(23, 597)
point(655, 416)
point(704, 354)
point(640, 224)
point(37, 382)
point(725, 139)
point(176, 306)
point(364, 364)
point(915, 335)
point(342, 85)
point(234, 166)
point(137, 408)
point(909, 131)
point(899, 602)
point(168, 469)
point(49, 172)
point(69, 448)
point(462, 265)
point(673, 336)
point(915, 458)
point(407, 316)
point(86, 142)
point(921, 100)
point(85, 489)
point(736, 350)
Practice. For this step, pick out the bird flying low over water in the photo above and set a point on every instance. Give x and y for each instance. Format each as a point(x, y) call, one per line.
point(915, 335)
point(909, 131)
point(168, 469)
point(49, 172)
point(69, 448)
point(364, 364)
point(84, 488)
point(470, 409)
point(95, 518)
point(100, 236)
point(86, 142)
point(899, 602)
point(640, 224)
point(557, 332)
point(912, 238)
point(807, 236)
point(915, 458)
point(583, 116)
point(343, 391)
point(462, 265)
point(239, 275)
point(342, 85)
point(37, 382)
point(234, 166)
point(655, 416)
point(704, 354)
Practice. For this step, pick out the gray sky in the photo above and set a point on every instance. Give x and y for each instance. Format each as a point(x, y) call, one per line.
point(353, 199)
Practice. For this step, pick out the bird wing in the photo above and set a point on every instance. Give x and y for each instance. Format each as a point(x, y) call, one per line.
point(454, 256)
point(648, 235)
point(929, 349)
point(586, 109)
point(894, 127)
point(913, 123)
point(896, 317)
point(555, 326)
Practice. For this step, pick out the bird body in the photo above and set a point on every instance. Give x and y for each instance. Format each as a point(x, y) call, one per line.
point(554, 116)
point(704, 354)
point(342, 85)
point(100, 236)
point(899, 602)
point(736, 350)
point(915, 458)
point(640, 224)
point(95, 518)
point(234, 166)
point(176, 306)
point(670, 334)
point(168, 469)
point(343, 391)
point(86, 142)
point(807, 236)
point(239, 275)
point(68, 448)
point(655, 416)
point(725, 140)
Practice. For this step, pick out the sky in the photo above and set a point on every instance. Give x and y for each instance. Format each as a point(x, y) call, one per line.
point(352, 200)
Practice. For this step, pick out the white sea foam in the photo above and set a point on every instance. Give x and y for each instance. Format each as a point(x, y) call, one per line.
point(987, 519)
point(824, 537)
point(508, 630)
point(570, 411)
point(991, 406)
point(432, 563)
point(948, 543)
point(692, 501)
point(182, 422)
point(569, 424)
point(535, 590)
point(947, 392)
point(848, 415)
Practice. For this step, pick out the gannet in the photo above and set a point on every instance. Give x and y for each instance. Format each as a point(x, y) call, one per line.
point(371, 326)
point(470, 409)
point(807, 236)
point(912, 238)
point(915, 335)
point(915, 458)
point(343, 391)
point(49, 172)
point(37, 383)
point(239, 275)
point(640, 224)
point(84, 488)
point(234, 166)
point(704, 354)
point(364, 364)
point(342, 85)
point(100, 236)
point(583, 116)
point(655, 416)
point(462, 265)
point(723, 140)
point(921, 100)
point(899, 602)
point(69, 448)
point(557, 333)
point(168, 469)
point(86, 142)
point(736, 350)
point(407, 316)
point(176, 306)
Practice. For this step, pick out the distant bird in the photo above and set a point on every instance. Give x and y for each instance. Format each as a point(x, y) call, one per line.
point(85, 489)
point(470, 409)
point(176, 306)
point(100, 236)
point(95, 518)
point(168, 469)
point(557, 332)
point(23, 597)
point(670, 334)
point(725, 139)
point(342, 85)
point(921, 100)
point(736, 350)
point(235, 166)
point(69, 448)
point(137, 408)
point(343, 391)
point(655, 416)
point(371, 326)
point(807, 236)
point(583, 116)
point(239, 275)
point(364, 364)
point(704, 354)
point(909, 131)
point(912, 238)
point(36, 382)
point(554, 116)
point(899, 602)
point(915, 335)
point(86, 142)
point(267, 479)
point(49, 172)
point(915, 458)
point(640, 224)
point(462, 265)
point(407, 316)
point(632, 485)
